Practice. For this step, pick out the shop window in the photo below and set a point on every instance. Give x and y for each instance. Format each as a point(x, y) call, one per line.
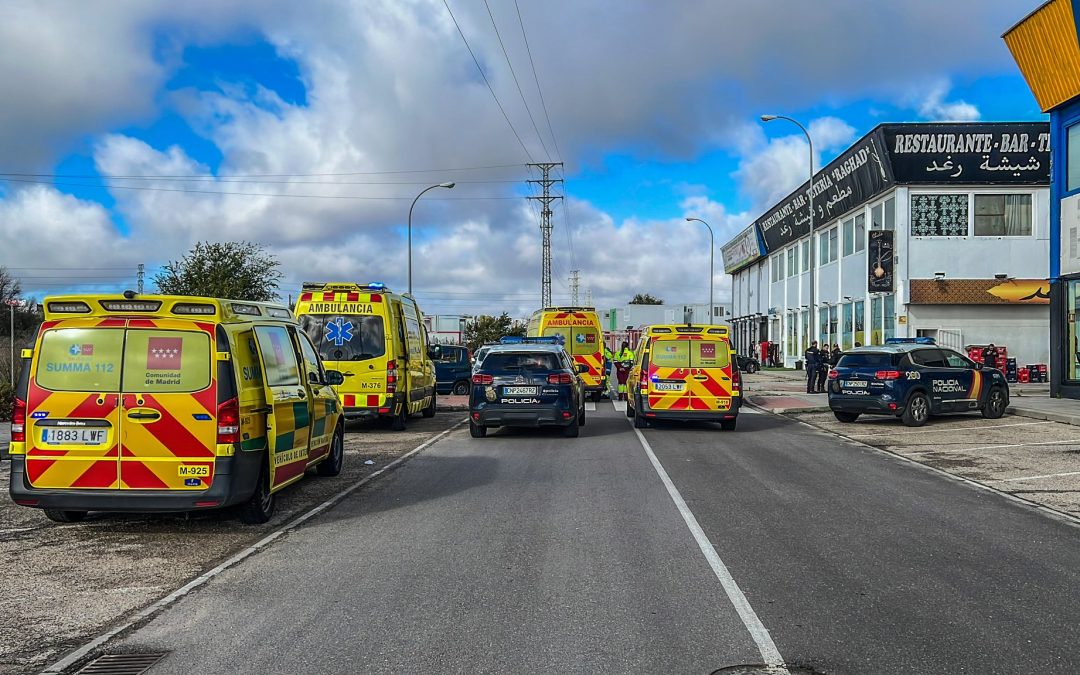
point(860, 334)
point(823, 325)
point(875, 321)
point(792, 261)
point(792, 338)
point(849, 236)
point(849, 326)
point(1072, 158)
point(890, 213)
point(805, 342)
point(1072, 369)
point(889, 311)
point(860, 232)
point(939, 215)
point(834, 319)
point(1002, 215)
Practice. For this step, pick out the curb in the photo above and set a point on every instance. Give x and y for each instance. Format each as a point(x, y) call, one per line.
point(1064, 418)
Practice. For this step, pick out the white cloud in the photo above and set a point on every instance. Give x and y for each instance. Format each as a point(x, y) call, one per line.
point(933, 106)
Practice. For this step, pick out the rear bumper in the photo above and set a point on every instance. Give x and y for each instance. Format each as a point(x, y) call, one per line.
point(864, 405)
point(385, 408)
point(695, 415)
point(234, 482)
point(524, 417)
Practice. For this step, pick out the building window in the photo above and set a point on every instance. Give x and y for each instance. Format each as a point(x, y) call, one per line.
point(860, 334)
point(778, 267)
point(792, 261)
point(828, 246)
point(1002, 215)
point(849, 236)
point(849, 326)
point(890, 213)
point(1072, 158)
point(875, 321)
point(805, 342)
point(792, 337)
point(890, 316)
point(1072, 353)
point(939, 215)
point(806, 256)
point(823, 325)
point(860, 232)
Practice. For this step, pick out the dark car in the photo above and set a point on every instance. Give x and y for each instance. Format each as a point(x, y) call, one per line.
point(453, 369)
point(747, 364)
point(527, 385)
point(913, 378)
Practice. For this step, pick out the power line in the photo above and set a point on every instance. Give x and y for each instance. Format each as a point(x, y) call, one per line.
point(215, 179)
point(490, 88)
point(558, 154)
point(525, 103)
point(286, 175)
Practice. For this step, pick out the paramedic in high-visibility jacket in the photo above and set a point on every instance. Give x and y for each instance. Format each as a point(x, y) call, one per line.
point(623, 359)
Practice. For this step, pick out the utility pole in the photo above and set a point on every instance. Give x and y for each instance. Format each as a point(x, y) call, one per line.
point(545, 224)
point(141, 269)
point(574, 280)
point(588, 297)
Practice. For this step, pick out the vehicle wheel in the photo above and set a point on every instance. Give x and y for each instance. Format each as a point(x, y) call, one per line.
point(581, 417)
point(917, 410)
point(331, 466)
point(477, 430)
point(572, 430)
point(845, 417)
point(995, 404)
point(58, 516)
point(751, 368)
point(429, 411)
point(461, 388)
point(259, 508)
point(640, 421)
point(399, 420)
point(629, 410)
point(595, 396)
point(728, 425)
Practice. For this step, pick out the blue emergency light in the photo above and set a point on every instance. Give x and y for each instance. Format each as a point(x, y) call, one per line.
point(910, 341)
point(376, 286)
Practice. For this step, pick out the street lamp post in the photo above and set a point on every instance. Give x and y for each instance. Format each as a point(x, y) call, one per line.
point(711, 272)
point(11, 307)
point(432, 187)
point(813, 252)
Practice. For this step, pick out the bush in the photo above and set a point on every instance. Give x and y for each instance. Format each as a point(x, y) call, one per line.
point(7, 401)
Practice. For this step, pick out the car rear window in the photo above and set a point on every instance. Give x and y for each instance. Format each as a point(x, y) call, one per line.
point(513, 362)
point(690, 354)
point(869, 360)
point(346, 337)
point(578, 340)
point(81, 359)
point(159, 361)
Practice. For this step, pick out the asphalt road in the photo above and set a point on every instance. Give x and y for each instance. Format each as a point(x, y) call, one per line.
point(527, 552)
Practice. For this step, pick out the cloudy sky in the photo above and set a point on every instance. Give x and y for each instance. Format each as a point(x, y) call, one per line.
point(132, 129)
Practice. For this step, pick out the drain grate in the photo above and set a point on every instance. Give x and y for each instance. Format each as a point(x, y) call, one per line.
point(122, 664)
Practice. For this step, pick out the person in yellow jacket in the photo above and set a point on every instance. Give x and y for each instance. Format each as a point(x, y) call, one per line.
point(622, 367)
point(609, 359)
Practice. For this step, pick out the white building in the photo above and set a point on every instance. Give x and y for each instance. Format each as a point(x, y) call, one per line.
point(918, 229)
point(446, 329)
point(636, 316)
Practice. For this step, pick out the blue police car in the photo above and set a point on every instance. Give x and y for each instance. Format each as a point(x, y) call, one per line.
point(913, 378)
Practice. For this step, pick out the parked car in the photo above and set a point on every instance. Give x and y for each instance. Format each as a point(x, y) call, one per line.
point(453, 369)
point(478, 357)
point(747, 364)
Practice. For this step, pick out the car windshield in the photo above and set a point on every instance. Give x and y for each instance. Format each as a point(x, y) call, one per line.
point(502, 362)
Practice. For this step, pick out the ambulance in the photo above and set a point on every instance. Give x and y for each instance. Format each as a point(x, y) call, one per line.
point(684, 372)
point(155, 403)
point(579, 327)
point(377, 340)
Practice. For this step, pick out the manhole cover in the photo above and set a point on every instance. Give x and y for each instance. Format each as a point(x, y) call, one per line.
point(121, 664)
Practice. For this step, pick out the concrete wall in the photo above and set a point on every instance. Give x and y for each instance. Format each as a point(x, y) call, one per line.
point(1025, 329)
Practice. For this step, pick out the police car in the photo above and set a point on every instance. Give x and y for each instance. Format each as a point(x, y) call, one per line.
point(913, 378)
point(527, 382)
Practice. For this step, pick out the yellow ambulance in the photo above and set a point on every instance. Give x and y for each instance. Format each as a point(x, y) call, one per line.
point(169, 403)
point(377, 340)
point(579, 328)
point(684, 372)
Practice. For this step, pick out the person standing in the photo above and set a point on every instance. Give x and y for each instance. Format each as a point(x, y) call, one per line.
point(811, 361)
point(990, 356)
point(623, 360)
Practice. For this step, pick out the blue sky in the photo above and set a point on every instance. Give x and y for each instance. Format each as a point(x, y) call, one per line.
point(654, 112)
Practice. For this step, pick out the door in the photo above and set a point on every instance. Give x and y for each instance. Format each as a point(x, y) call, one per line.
point(73, 423)
point(636, 375)
point(709, 380)
point(935, 372)
point(323, 400)
point(965, 378)
point(420, 384)
point(168, 407)
point(668, 372)
point(288, 422)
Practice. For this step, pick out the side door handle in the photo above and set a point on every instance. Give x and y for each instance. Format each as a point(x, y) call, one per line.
point(301, 393)
point(144, 415)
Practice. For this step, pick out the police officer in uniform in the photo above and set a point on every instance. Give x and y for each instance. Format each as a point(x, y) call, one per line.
point(811, 362)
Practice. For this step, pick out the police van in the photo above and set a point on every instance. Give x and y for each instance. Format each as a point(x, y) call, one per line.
point(686, 373)
point(377, 340)
point(579, 328)
point(169, 403)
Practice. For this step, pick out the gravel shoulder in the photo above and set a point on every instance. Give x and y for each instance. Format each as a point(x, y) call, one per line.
point(66, 583)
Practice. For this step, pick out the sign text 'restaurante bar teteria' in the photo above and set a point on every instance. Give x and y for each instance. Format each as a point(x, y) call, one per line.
point(962, 154)
point(742, 250)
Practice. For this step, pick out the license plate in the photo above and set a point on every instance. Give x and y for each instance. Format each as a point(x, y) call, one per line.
point(93, 436)
point(519, 391)
point(185, 470)
point(668, 386)
point(854, 384)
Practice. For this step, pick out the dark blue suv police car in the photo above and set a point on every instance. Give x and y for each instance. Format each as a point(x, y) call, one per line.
point(913, 378)
point(527, 382)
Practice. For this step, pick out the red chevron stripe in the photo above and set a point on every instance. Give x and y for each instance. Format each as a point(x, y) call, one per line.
point(173, 435)
point(101, 474)
point(136, 475)
point(35, 468)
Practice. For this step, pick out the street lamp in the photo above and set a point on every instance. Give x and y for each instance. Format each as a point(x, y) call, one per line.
point(440, 185)
point(711, 274)
point(813, 252)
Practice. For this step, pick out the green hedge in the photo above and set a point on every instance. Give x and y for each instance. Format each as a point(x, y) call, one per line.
point(7, 400)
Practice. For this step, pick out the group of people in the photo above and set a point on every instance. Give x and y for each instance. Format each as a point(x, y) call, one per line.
point(817, 363)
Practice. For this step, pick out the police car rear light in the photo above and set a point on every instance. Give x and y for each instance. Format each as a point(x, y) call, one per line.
point(833, 374)
point(560, 378)
point(480, 378)
point(228, 419)
point(887, 374)
point(476, 417)
point(892, 406)
point(18, 421)
point(566, 415)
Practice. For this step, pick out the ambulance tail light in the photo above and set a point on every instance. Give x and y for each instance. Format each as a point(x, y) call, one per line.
point(391, 377)
point(887, 374)
point(18, 421)
point(736, 379)
point(228, 421)
point(482, 378)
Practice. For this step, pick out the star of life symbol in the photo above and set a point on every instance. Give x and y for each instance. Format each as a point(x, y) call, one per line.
point(580, 337)
point(339, 331)
point(74, 350)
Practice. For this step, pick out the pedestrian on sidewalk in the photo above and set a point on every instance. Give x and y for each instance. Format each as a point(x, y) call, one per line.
point(812, 361)
point(990, 355)
point(834, 358)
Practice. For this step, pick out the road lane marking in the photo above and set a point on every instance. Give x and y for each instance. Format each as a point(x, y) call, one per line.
point(620, 406)
point(749, 617)
point(1018, 445)
point(82, 652)
point(590, 406)
point(1047, 475)
point(936, 431)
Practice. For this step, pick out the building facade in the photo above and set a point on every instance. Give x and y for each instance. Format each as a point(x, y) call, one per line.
point(1046, 47)
point(446, 329)
point(937, 230)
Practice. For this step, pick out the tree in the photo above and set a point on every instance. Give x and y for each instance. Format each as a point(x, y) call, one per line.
point(238, 270)
point(9, 287)
point(646, 299)
point(484, 329)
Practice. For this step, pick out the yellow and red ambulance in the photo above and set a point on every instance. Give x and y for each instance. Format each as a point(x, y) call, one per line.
point(169, 403)
point(684, 372)
point(579, 328)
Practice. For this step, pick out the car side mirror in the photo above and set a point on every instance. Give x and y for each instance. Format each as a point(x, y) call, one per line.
point(435, 352)
point(334, 378)
point(582, 368)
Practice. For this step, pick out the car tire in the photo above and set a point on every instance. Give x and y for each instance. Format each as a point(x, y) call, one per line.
point(728, 425)
point(461, 388)
point(995, 404)
point(331, 466)
point(581, 416)
point(917, 410)
point(845, 417)
point(572, 430)
point(61, 516)
point(259, 508)
point(477, 430)
point(595, 396)
point(398, 421)
point(640, 421)
point(429, 411)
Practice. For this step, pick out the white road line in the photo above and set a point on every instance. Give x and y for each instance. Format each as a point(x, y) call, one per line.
point(590, 406)
point(1018, 445)
point(749, 617)
point(1047, 475)
point(749, 410)
point(619, 406)
point(82, 652)
point(938, 431)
